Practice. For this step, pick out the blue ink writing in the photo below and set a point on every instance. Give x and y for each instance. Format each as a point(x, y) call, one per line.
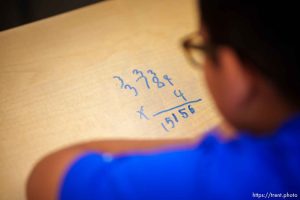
point(138, 72)
point(181, 105)
point(129, 87)
point(179, 94)
point(155, 79)
point(174, 115)
point(169, 122)
point(121, 81)
point(126, 86)
point(167, 78)
point(164, 127)
point(142, 114)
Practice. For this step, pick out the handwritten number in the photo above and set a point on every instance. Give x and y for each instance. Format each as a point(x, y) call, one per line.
point(191, 109)
point(163, 125)
point(155, 79)
point(121, 81)
point(138, 72)
point(175, 117)
point(169, 120)
point(131, 88)
point(183, 114)
point(151, 72)
point(126, 86)
point(179, 94)
point(159, 83)
point(167, 78)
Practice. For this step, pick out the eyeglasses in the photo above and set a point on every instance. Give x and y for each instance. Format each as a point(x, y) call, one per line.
point(195, 49)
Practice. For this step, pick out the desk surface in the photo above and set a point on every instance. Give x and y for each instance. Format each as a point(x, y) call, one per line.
point(67, 79)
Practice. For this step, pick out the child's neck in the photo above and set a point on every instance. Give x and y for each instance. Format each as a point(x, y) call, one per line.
point(269, 114)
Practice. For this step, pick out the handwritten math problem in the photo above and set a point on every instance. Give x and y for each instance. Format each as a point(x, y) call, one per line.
point(151, 80)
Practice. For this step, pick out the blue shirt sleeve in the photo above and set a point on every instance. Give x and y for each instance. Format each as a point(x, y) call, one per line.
point(87, 174)
point(243, 168)
point(156, 176)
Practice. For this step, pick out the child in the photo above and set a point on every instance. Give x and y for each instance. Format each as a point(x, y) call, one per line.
point(252, 71)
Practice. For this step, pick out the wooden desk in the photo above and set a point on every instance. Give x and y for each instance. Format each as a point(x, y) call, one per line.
point(61, 82)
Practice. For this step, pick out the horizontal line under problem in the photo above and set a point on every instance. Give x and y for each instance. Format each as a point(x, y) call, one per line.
point(169, 109)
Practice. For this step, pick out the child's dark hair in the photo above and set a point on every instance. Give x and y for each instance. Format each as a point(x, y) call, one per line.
point(263, 33)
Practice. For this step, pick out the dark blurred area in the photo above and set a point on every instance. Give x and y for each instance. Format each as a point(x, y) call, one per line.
point(17, 12)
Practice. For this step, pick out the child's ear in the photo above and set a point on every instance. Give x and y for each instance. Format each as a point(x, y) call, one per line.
point(238, 79)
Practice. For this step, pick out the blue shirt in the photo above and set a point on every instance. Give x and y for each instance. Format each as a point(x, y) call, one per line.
point(247, 167)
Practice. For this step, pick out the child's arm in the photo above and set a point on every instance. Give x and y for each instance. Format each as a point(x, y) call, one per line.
point(44, 180)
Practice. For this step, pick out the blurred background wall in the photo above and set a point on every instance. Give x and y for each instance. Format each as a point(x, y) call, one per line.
point(17, 12)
